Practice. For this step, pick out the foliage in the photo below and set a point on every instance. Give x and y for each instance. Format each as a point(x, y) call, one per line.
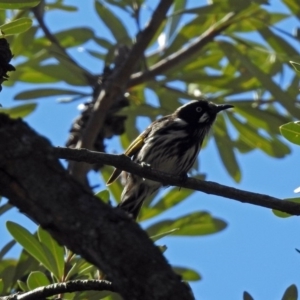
point(290, 293)
point(291, 131)
point(43, 262)
point(230, 68)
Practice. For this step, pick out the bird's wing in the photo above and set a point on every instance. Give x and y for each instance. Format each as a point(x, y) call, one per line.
point(136, 145)
point(133, 148)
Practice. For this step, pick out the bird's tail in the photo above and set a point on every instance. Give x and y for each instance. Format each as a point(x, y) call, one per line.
point(133, 197)
point(133, 211)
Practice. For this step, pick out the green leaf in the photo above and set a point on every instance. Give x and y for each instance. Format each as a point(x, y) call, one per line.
point(235, 55)
point(112, 22)
point(6, 249)
point(103, 196)
point(295, 65)
point(72, 271)
point(86, 269)
point(30, 75)
point(225, 149)
point(187, 274)
point(55, 249)
point(22, 42)
point(250, 19)
point(7, 268)
point(127, 6)
point(169, 200)
point(157, 237)
point(1, 286)
point(251, 136)
point(41, 93)
point(15, 27)
point(18, 4)
point(280, 149)
point(218, 7)
point(116, 188)
point(291, 131)
point(291, 293)
point(293, 6)
point(69, 8)
point(26, 263)
point(175, 19)
point(30, 244)
point(284, 50)
point(103, 43)
point(79, 268)
point(51, 73)
point(282, 214)
point(74, 37)
point(22, 285)
point(96, 54)
point(20, 111)
point(266, 119)
point(67, 38)
point(37, 279)
point(97, 295)
point(194, 224)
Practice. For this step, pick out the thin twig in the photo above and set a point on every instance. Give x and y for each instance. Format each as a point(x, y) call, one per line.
point(61, 288)
point(124, 163)
point(185, 53)
point(52, 38)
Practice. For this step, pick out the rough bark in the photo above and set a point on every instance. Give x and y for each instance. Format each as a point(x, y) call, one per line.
point(33, 180)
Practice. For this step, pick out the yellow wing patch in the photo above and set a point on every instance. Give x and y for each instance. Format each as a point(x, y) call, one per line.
point(133, 148)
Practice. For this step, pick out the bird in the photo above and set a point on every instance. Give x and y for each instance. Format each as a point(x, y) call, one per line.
point(170, 144)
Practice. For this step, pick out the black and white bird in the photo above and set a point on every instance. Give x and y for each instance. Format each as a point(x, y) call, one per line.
point(170, 144)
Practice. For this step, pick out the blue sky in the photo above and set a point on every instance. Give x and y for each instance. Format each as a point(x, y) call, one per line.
point(256, 252)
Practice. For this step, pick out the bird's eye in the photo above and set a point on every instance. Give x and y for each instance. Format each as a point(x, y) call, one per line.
point(198, 109)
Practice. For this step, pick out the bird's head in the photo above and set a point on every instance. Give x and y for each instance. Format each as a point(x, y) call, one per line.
point(200, 112)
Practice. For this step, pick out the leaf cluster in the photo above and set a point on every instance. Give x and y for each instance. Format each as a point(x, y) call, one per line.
point(229, 68)
point(232, 67)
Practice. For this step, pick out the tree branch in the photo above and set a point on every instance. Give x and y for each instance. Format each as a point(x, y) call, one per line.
point(184, 53)
point(61, 288)
point(116, 83)
point(33, 180)
point(124, 163)
point(38, 12)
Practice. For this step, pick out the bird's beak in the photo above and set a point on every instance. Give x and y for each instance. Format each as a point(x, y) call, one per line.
point(221, 107)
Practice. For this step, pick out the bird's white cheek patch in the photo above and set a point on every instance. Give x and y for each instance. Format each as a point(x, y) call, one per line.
point(203, 118)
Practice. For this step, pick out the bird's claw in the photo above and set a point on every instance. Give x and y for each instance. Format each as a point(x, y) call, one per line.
point(183, 178)
point(145, 165)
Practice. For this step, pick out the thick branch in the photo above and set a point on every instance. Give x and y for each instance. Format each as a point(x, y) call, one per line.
point(116, 84)
point(184, 53)
point(61, 288)
point(124, 163)
point(33, 180)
